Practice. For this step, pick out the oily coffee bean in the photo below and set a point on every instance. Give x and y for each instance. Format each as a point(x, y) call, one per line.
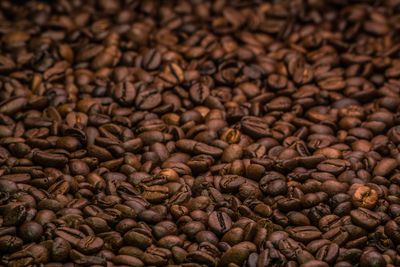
point(31, 231)
point(125, 93)
point(199, 133)
point(237, 254)
point(365, 218)
point(147, 98)
point(199, 92)
point(49, 159)
point(9, 243)
point(219, 222)
point(255, 127)
point(60, 249)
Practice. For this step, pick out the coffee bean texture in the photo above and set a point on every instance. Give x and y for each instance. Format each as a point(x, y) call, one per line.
point(200, 133)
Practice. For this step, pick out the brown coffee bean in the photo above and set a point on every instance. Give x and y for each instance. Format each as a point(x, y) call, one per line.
point(231, 153)
point(151, 59)
point(147, 98)
point(328, 253)
point(372, 258)
point(237, 254)
point(31, 231)
point(49, 159)
point(13, 105)
point(365, 218)
point(316, 263)
point(385, 166)
point(127, 260)
point(332, 187)
point(199, 92)
point(16, 216)
point(156, 193)
point(304, 233)
point(365, 197)
point(125, 93)
point(255, 127)
point(139, 238)
point(219, 222)
point(9, 243)
point(199, 133)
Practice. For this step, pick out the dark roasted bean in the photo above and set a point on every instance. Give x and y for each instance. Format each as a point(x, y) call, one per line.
point(237, 254)
point(199, 133)
point(365, 218)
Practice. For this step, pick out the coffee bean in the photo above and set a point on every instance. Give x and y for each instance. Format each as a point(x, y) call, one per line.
point(385, 166)
point(16, 216)
point(219, 222)
point(328, 253)
point(201, 257)
point(127, 260)
point(60, 249)
point(315, 263)
point(372, 258)
point(231, 153)
point(13, 105)
point(332, 187)
point(49, 159)
point(31, 231)
point(273, 183)
point(255, 127)
point(392, 229)
point(9, 243)
point(199, 133)
point(156, 193)
point(125, 93)
point(151, 59)
point(365, 197)
point(304, 233)
point(199, 92)
point(139, 238)
point(365, 218)
point(147, 98)
point(237, 254)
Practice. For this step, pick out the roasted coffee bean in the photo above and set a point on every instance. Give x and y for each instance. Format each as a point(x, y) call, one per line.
point(392, 230)
point(9, 243)
point(372, 258)
point(365, 218)
point(328, 253)
point(31, 231)
point(155, 193)
point(13, 105)
point(138, 237)
point(49, 159)
point(199, 92)
point(219, 222)
point(273, 183)
point(125, 93)
point(15, 216)
point(199, 133)
point(255, 127)
point(147, 97)
point(304, 234)
point(365, 197)
point(201, 257)
point(156, 256)
point(315, 263)
point(385, 166)
point(60, 249)
point(127, 260)
point(237, 254)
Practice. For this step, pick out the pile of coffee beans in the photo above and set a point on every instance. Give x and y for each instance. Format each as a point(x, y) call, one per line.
point(194, 133)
